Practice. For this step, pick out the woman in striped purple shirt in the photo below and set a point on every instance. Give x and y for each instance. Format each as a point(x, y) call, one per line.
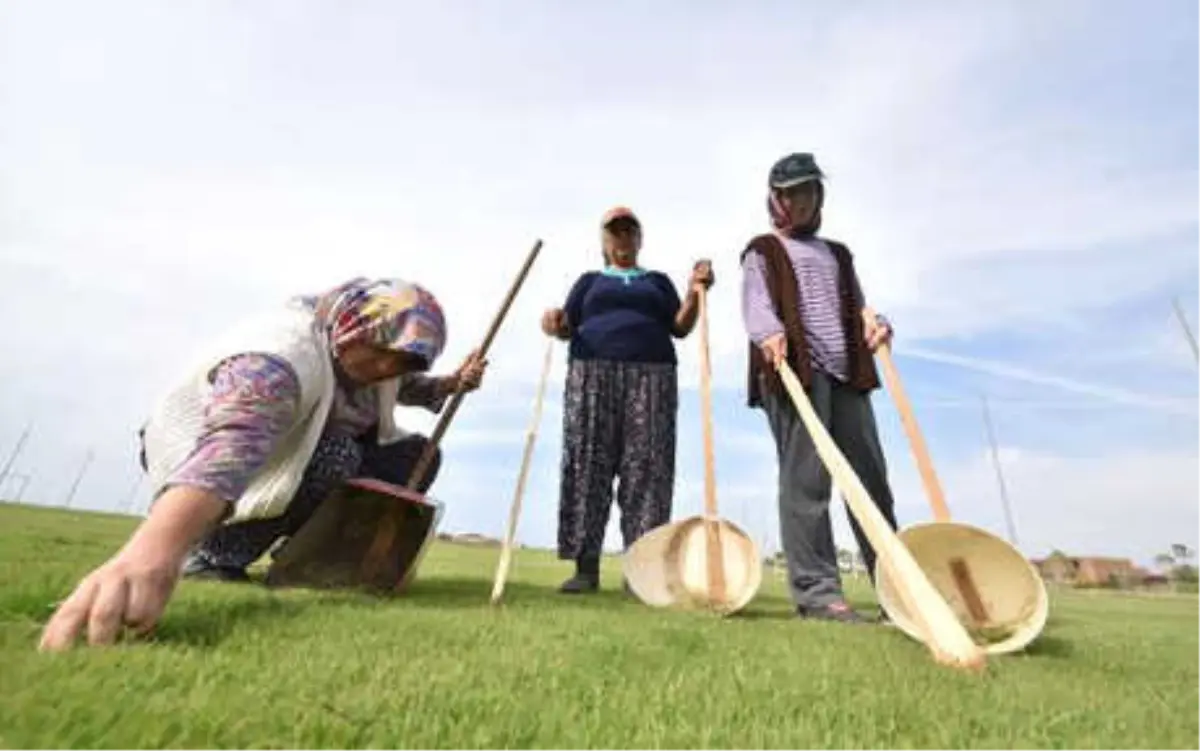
point(802, 303)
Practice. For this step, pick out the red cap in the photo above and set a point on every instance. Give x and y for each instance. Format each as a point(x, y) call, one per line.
point(618, 212)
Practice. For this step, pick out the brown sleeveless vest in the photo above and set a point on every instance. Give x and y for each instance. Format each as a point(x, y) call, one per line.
point(785, 298)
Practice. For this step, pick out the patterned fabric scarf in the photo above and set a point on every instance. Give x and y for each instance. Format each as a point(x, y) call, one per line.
point(388, 313)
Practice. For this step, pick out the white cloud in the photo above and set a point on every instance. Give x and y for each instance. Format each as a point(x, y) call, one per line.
point(1107, 393)
point(164, 169)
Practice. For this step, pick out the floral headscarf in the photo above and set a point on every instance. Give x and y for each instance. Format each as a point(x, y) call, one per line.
point(388, 313)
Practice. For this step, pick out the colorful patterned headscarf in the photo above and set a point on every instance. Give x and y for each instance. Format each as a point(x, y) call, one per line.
point(388, 313)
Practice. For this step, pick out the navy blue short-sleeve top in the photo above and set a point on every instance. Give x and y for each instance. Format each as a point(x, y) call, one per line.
point(624, 318)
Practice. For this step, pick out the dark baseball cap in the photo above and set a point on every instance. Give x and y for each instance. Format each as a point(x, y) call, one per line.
point(795, 169)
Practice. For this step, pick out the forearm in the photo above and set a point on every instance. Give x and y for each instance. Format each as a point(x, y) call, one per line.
point(758, 314)
point(689, 312)
point(429, 392)
point(177, 520)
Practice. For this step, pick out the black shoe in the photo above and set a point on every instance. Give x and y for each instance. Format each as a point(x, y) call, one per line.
point(586, 578)
point(198, 568)
point(579, 584)
point(834, 611)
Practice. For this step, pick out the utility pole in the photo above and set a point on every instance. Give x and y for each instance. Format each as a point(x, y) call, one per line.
point(75, 485)
point(1008, 518)
point(15, 452)
point(1187, 331)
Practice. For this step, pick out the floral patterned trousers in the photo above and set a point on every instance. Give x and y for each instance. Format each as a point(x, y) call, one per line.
point(618, 423)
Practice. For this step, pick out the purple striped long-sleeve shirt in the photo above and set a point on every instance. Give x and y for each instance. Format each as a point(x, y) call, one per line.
point(816, 271)
point(253, 405)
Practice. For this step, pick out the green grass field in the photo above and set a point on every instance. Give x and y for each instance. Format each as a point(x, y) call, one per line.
point(237, 665)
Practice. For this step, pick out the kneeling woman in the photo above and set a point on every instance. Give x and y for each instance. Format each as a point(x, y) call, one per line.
point(244, 449)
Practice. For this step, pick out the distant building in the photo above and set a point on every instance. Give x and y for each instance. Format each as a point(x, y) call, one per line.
point(1090, 571)
point(470, 538)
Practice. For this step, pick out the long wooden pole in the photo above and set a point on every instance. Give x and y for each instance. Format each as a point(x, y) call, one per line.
point(514, 511)
point(920, 451)
point(712, 525)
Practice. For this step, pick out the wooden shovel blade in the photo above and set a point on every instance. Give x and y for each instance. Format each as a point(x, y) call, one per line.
point(329, 550)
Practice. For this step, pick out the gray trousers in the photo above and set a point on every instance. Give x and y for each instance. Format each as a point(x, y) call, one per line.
point(805, 485)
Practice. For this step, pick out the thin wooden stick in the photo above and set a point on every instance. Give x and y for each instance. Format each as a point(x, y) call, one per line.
point(514, 512)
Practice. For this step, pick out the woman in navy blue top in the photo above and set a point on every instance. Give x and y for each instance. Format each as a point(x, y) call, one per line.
point(621, 397)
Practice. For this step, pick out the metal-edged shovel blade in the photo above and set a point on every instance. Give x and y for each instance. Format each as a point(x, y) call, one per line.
point(330, 550)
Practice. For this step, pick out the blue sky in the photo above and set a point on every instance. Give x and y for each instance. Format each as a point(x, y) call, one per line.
point(1019, 185)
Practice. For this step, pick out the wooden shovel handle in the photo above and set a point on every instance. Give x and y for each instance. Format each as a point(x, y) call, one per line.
point(712, 526)
point(710, 479)
point(916, 442)
point(390, 523)
point(448, 412)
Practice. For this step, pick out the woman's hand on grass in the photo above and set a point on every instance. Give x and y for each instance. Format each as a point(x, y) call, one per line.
point(130, 591)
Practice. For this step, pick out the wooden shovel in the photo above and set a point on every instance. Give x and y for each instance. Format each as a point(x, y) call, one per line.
point(995, 591)
point(933, 489)
point(941, 630)
point(701, 561)
point(319, 553)
point(514, 512)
